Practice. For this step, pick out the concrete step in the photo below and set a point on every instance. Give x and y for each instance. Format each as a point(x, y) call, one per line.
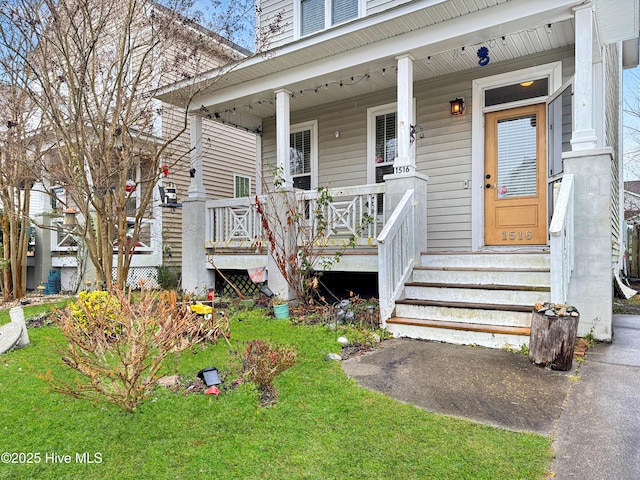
point(495, 294)
point(485, 314)
point(477, 276)
point(489, 336)
point(486, 260)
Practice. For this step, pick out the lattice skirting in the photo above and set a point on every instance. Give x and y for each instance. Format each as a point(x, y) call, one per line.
point(140, 275)
point(240, 278)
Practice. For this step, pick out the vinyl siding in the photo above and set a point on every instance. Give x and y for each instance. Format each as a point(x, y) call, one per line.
point(444, 154)
point(270, 9)
point(226, 151)
point(611, 59)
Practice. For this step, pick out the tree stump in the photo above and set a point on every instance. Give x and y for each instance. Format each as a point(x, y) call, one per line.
point(553, 336)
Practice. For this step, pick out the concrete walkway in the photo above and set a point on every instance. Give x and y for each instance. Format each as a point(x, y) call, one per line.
point(593, 415)
point(598, 435)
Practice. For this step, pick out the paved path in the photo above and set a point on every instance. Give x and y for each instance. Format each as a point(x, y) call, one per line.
point(598, 434)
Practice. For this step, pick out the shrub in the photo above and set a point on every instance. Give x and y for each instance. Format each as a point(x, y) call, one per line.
point(96, 311)
point(120, 351)
point(262, 361)
point(168, 277)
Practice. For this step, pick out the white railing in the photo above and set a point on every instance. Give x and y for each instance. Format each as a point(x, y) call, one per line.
point(352, 212)
point(236, 223)
point(233, 223)
point(396, 254)
point(562, 241)
point(64, 238)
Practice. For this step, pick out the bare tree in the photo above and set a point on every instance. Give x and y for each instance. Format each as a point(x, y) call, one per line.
point(632, 125)
point(19, 153)
point(90, 67)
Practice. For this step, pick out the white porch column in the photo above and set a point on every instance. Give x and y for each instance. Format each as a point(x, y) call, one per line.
point(283, 144)
point(584, 133)
point(196, 278)
point(196, 189)
point(405, 162)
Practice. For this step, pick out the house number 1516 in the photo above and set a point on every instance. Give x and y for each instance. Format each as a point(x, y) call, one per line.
point(519, 235)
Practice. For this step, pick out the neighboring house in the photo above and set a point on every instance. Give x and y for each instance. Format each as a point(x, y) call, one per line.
point(632, 202)
point(229, 171)
point(490, 130)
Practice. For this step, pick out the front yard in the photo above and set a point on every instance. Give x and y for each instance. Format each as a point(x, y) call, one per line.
point(322, 426)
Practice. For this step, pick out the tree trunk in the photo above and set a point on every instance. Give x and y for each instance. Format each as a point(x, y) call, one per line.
point(552, 340)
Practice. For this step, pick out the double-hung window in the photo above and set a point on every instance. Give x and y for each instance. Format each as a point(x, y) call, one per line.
point(303, 155)
point(316, 15)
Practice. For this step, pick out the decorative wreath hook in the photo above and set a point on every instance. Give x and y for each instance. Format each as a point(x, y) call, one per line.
point(483, 55)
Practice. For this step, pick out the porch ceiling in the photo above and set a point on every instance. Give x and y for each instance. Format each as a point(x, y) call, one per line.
point(360, 58)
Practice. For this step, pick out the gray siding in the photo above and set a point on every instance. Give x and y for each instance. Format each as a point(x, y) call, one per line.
point(270, 9)
point(612, 98)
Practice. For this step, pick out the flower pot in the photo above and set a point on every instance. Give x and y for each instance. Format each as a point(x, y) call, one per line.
point(281, 311)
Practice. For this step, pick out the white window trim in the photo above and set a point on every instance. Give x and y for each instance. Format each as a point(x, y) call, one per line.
point(235, 177)
point(553, 71)
point(372, 113)
point(313, 127)
point(297, 11)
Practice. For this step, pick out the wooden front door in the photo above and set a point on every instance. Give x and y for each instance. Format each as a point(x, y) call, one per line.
point(515, 180)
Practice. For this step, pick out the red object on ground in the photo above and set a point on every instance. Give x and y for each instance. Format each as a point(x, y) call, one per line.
point(212, 390)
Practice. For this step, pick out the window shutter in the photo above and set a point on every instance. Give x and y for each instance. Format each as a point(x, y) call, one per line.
point(312, 16)
point(343, 10)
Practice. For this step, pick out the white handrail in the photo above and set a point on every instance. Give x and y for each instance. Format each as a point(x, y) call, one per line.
point(561, 232)
point(396, 252)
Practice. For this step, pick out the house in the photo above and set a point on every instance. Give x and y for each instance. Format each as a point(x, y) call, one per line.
point(486, 133)
point(159, 244)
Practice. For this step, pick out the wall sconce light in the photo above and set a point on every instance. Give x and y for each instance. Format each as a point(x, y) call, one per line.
point(457, 106)
point(413, 131)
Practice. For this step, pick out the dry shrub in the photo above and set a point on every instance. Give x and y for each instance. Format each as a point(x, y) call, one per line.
point(262, 361)
point(120, 352)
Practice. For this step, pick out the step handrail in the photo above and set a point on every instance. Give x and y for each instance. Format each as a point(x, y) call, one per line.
point(562, 243)
point(396, 254)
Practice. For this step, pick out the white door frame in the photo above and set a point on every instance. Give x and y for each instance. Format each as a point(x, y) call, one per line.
point(553, 71)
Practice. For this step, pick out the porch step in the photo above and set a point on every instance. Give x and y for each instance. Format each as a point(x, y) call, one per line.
point(468, 327)
point(471, 313)
point(501, 294)
point(514, 276)
point(486, 260)
point(483, 299)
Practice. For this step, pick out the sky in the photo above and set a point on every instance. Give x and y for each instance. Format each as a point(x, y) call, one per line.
point(631, 95)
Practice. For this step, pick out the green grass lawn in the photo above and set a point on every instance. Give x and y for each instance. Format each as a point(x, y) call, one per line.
point(323, 426)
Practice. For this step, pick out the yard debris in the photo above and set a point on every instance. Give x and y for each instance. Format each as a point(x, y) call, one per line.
point(333, 356)
point(212, 390)
point(343, 341)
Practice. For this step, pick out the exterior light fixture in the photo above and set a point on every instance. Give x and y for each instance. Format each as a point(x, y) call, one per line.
point(527, 84)
point(457, 106)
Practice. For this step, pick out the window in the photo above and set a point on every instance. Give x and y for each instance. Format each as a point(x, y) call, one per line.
point(58, 198)
point(302, 155)
point(300, 159)
point(316, 15)
point(241, 186)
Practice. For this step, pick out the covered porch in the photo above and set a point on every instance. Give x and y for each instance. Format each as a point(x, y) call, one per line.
point(404, 69)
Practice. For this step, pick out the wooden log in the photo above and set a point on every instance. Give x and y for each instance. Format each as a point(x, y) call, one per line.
point(552, 340)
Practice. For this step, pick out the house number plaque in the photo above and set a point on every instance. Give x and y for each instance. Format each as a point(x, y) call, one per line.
point(403, 169)
point(519, 235)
